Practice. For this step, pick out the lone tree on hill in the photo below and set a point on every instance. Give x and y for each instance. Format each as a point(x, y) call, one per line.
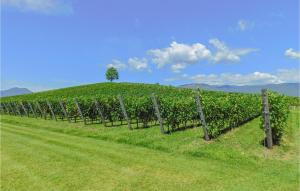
point(112, 74)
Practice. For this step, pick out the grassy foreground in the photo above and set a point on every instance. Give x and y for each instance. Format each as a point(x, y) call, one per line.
point(48, 155)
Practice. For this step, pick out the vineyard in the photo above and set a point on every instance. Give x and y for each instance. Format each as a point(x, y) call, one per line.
point(101, 103)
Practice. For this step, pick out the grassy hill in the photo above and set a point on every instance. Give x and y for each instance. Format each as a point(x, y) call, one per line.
point(41, 155)
point(107, 88)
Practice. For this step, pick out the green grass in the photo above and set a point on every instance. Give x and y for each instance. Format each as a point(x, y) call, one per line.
point(48, 155)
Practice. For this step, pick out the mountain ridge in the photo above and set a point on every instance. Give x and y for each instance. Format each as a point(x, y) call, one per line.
point(14, 91)
point(290, 89)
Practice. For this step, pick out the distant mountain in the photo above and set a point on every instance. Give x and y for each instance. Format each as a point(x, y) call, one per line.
point(14, 91)
point(290, 89)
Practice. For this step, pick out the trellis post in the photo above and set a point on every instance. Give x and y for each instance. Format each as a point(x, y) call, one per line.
point(12, 108)
point(6, 109)
point(32, 110)
point(156, 109)
point(51, 110)
point(124, 111)
point(43, 113)
point(9, 109)
point(79, 110)
point(17, 108)
point(100, 112)
point(25, 111)
point(2, 108)
point(64, 110)
point(202, 116)
point(266, 118)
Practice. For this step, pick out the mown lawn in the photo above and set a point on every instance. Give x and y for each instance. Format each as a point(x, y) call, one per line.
point(48, 155)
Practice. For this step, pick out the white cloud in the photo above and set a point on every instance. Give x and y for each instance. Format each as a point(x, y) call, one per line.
point(138, 63)
point(255, 78)
point(179, 55)
point(292, 53)
point(289, 75)
point(117, 64)
point(244, 25)
point(178, 67)
point(41, 6)
point(226, 54)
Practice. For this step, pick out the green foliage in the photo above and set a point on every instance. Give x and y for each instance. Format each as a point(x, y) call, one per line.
point(279, 111)
point(112, 74)
point(178, 107)
point(294, 101)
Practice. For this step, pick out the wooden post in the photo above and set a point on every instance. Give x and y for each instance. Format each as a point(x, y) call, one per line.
point(156, 108)
point(2, 108)
point(12, 109)
point(51, 110)
point(202, 116)
point(17, 108)
point(8, 108)
point(25, 111)
point(5, 108)
point(100, 112)
point(266, 117)
point(32, 110)
point(79, 110)
point(64, 110)
point(43, 113)
point(124, 111)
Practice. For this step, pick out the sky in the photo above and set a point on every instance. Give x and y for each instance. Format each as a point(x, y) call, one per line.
point(49, 44)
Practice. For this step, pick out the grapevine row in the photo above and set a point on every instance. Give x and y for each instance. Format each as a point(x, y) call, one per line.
point(178, 108)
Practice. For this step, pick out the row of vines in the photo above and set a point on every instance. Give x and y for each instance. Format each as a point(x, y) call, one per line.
point(279, 112)
point(177, 106)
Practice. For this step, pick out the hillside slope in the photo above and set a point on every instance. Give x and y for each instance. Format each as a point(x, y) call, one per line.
point(107, 88)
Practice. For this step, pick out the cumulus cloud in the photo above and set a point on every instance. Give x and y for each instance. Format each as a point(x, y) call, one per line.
point(236, 79)
point(117, 64)
point(289, 75)
point(224, 53)
point(255, 78)
point(178, 67)
point(41, 6)
point(292, 53)
point(179, 55)
point(244, 25)
point(138, 63)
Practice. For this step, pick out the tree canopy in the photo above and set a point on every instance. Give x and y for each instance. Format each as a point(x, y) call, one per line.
point(112, 74)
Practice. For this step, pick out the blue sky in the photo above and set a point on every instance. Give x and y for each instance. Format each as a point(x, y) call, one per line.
point(50, 44)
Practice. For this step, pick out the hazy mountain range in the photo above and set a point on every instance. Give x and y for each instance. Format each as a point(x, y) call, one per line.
point(14, 91)
point(290, 89)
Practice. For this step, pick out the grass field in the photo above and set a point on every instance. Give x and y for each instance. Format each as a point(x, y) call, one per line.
point(48, 155)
